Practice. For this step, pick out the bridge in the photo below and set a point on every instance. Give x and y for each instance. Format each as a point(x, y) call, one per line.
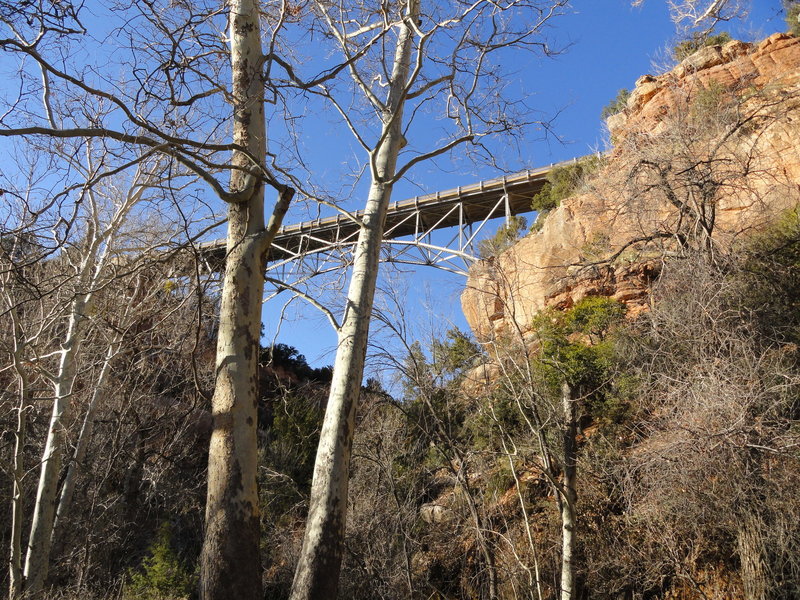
point(324, 244)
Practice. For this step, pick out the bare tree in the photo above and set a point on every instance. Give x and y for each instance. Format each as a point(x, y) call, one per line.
point(173, 105)
point(232, 523)
point(67, 283)
point(713, 408)
point(709, 173)
point(446, 56)
point(129, 306)
point(705, 14)
point(90, 262)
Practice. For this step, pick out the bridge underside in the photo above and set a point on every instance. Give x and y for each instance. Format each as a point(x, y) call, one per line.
point(323, 245)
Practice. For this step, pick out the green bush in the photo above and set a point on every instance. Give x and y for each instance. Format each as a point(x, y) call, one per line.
point(594, 316)
point(163, 576)
point(563, 181)
point(455, 354)
point(287, 457)
point(688, 47)
point(793, 18)
point(617, 105)
point(505, 237)
point(499, 408)
point(576, 347)
point(288, 357)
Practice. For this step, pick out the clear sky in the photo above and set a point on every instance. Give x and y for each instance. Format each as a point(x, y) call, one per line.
point(607, 45)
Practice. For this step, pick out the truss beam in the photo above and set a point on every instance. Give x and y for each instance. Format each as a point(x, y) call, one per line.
point(325, 244)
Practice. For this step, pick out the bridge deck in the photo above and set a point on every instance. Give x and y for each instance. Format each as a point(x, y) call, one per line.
point(473, 203)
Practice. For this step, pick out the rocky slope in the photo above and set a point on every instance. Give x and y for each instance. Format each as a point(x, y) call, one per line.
point(703, 155)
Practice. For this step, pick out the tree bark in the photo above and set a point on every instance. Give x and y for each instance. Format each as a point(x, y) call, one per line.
point(15, 583)
point(82, 445)
point(230, 560)
point(570, 494)
point(751, 558)
point(317, 574)
point(37, 559)
point(15, 557)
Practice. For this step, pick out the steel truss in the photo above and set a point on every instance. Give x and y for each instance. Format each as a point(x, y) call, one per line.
point(452, 250)
point(438, 230)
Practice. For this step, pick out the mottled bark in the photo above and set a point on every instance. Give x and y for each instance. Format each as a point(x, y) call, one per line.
point(317, 574)
point(230, 561)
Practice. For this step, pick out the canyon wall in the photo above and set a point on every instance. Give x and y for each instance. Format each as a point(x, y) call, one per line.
point(702, 156)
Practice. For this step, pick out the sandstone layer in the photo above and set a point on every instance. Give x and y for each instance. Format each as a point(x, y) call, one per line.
point(703, 155)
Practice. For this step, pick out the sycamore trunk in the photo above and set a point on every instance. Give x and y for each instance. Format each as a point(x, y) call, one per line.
point(230, 561)
point(317, 574)
point(568, 519)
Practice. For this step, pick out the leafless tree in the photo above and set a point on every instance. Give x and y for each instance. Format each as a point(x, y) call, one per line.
point(401, 60)
point(173, 104)
point(705, 14)
point(707, 172)
point(49, 300)
point(713, 429)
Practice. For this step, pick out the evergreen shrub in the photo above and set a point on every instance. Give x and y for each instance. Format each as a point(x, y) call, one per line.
point(163, 575)
point(617, 105)
point(688, 47)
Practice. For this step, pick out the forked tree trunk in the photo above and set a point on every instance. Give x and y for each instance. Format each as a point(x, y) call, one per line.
point(230, 564)
point(317, 574)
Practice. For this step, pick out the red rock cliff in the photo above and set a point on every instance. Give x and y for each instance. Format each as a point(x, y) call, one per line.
point(702, 155)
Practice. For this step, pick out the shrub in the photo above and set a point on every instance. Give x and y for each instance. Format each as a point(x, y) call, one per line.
point(770, 278)
point(708, 101)
point(503, 239)
point(793, 18)
point(163, 576)
point(563, 181)
point(617, 105)
point(688, 47)
point(576, 346)
point(457, 353)
point(594, 316)
point(288, 357)
point(287, 458)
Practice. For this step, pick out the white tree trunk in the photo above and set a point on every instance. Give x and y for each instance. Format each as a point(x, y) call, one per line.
point(18, 467)
point(568, 520)
point(230, 561)
point(37, 559)
point(15, 557)
point(68, 487)
point(317, 574)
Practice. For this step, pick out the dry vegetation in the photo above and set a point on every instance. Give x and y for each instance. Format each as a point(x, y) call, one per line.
point(609, 456)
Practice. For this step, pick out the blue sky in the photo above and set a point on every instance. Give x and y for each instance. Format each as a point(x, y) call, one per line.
point(607, 45)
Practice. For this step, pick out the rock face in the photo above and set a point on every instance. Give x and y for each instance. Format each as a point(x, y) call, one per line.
point(703, 155)
point(773, 62)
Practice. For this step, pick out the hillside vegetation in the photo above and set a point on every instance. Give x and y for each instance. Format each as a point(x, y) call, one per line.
point(624, 423)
